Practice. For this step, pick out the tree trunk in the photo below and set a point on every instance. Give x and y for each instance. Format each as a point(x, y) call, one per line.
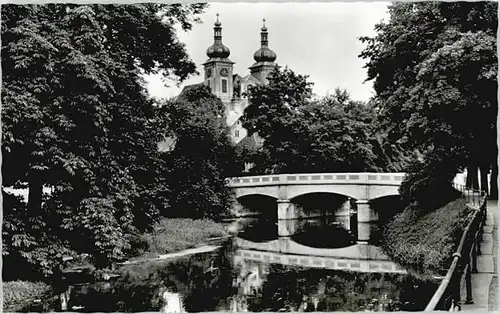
point(493, 181)
point(35, 196)
point(472, 181)
point(484, 169)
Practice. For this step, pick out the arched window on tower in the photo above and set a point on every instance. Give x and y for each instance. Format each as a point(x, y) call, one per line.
point(224, 85)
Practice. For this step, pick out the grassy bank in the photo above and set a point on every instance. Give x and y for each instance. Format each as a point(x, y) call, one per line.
point(177, 234)
point(425, 243)
point(168, 236)
point(19, 295)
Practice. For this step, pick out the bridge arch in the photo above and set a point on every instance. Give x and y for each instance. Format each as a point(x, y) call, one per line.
point(387, 207)
point(322, 194)
point(320, 202)
point(379, 191)
point(270, 191)
point(260, 205)
point(245, 197)
point(352, 191)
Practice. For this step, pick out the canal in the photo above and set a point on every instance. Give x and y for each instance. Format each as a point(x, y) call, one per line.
point(223, 280)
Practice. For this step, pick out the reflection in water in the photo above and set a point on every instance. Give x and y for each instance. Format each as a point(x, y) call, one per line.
point(172, 302)
point(321, 237)
point(218, 281)
point(324, 232)
point(292, 288)
point(257, 230)
point(198, 283)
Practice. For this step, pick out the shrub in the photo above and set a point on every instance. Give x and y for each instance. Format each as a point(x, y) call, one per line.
point(18, 295)
point(428, 186)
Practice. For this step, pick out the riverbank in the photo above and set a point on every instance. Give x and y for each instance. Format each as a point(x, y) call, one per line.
point(173, 235)
point(425, 244)
point(170, 238)
point(19, 294)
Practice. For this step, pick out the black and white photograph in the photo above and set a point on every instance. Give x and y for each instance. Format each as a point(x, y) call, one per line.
point(180, 157)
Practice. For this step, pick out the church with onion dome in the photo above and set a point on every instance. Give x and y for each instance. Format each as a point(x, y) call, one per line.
point(231, 87)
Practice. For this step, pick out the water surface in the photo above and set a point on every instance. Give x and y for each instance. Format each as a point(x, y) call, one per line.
point(224, 281)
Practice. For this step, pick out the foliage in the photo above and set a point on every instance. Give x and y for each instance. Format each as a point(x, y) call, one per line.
point(202, 156)
point(427, 184)
point(30, 250)
point(19, 295)
point(434, 68)
point(76, 117)
point(177, 234)
point(425, 243)
point(300, 134)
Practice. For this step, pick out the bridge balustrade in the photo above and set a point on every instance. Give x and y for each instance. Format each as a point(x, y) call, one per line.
point(448, 295)
point(319, 178)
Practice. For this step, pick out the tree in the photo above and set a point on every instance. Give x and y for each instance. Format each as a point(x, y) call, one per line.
point(434, 69)
point(332, 134)
point(202, 156)
point(272, 107)
point(76, 117)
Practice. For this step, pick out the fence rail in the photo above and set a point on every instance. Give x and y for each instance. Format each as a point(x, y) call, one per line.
point(448, 295)
point(473, 197)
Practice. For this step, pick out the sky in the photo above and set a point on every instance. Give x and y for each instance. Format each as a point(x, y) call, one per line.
point(320, 40)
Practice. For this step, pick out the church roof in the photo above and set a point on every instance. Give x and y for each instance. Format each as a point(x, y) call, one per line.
point(251, 79)
point(232, 117)
point(237, 77)
point(248, 142)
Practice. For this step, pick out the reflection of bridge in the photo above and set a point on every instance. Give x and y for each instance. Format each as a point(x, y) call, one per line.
point(358, 258)
point(285, 189)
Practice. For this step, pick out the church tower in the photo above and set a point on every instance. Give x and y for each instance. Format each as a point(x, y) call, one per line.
point(218, 68)
point(264, 58)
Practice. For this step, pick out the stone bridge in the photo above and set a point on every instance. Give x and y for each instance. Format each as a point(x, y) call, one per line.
point(285, 188)
point(359, 186)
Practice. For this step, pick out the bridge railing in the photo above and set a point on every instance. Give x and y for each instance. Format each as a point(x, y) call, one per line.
point(448, 295)
point(318, 178)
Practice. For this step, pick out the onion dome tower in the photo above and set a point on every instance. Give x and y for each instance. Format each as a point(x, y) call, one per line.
point(218, 50)
point(264, 57)
point(218, 68)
